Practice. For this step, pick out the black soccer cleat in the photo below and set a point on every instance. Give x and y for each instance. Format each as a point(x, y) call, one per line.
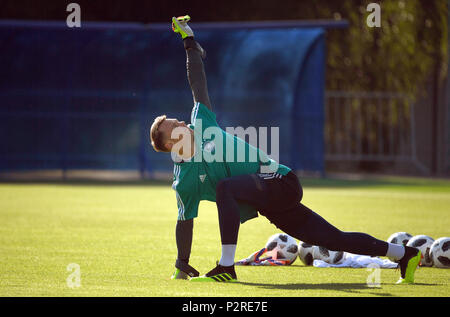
point(218, 274)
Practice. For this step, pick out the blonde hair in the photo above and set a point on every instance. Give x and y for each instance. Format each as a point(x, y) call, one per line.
point(157, 137)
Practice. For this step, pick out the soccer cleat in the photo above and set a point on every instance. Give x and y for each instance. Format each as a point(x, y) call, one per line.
point(179, 275)
point(184, 271)
point(408, 265)
point(179, 25)
point(218, 274)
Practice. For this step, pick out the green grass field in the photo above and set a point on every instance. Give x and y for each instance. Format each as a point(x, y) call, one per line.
point(122, 237)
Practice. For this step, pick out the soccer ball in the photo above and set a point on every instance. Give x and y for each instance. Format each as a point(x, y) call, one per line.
point(282, 247)
point(440, 252)
point(331, 257)
point(305, 252)
point(399, 238)
point(423, 243)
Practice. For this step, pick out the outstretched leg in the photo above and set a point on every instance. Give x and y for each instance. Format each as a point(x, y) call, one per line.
point(315, 230)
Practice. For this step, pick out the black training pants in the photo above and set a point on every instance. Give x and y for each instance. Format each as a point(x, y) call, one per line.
point(278, 198)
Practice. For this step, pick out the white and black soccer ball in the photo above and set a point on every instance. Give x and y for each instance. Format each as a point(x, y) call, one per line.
point(305, 252)
point(440, 252)
point(423, 243)
point(331, 257)
point(399, 238)
point(282, 247)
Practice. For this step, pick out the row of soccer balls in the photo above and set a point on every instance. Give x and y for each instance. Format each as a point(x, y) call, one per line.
point(284, 247)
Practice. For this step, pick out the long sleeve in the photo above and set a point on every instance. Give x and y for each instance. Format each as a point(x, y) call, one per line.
point(196, 71)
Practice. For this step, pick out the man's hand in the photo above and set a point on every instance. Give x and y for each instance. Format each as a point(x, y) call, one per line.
point(184, 271)
point(179, 25)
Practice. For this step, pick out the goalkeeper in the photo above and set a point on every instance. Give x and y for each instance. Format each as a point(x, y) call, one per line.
point(242, 189)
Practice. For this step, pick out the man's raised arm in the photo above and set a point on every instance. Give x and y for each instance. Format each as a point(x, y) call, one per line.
point(194, 64)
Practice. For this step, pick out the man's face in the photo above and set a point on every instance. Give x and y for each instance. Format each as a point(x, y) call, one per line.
point(167, 126)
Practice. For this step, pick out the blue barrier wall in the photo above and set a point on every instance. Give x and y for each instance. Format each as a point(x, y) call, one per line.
point(84, 98)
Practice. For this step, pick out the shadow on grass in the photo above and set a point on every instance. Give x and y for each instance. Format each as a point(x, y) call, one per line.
point(340, 287)
point(353, 288)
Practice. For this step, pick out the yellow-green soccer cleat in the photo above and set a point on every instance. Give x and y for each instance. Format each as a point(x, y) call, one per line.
point(179, 25)
point(218, 274)
point(408, 265)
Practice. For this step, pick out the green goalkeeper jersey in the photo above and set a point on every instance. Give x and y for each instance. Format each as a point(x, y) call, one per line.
point(218, 155)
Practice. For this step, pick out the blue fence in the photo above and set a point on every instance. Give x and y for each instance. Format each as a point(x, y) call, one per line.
point(84, 98)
